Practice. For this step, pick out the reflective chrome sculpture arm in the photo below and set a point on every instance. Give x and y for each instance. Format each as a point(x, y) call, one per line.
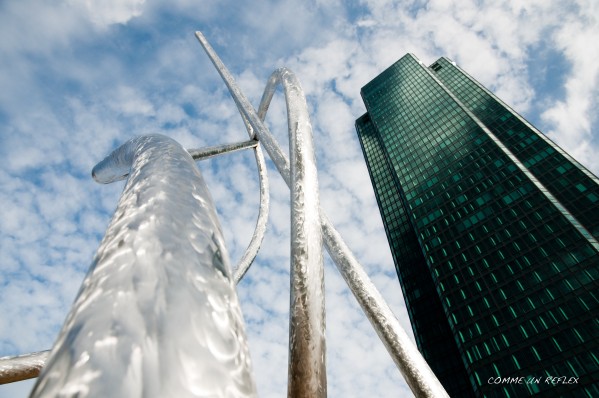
point(416, 372)
point(157, 313)
point(248, 112)
point(410, 362)
point(307, 326)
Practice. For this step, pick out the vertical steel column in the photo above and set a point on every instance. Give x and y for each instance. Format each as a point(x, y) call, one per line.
point(157, 314)
point(307, 369)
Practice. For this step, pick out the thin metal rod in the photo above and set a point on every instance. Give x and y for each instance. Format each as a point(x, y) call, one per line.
point(157, 313)
point(210, 152)
point(307, 366)
point(404, 353)
point(22, 367)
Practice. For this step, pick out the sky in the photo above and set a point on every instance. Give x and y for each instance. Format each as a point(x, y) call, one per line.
point(80, 77)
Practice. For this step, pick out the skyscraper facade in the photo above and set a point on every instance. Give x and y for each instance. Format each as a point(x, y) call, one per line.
point(493, 230)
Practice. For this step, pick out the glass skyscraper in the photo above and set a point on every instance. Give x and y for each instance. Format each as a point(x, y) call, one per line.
point(494, 232)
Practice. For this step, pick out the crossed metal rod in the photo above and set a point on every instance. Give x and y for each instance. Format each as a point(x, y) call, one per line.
point(310, 229)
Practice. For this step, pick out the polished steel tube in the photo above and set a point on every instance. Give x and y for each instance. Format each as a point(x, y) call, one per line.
point(27, 366)
point(417, 373)
point(157, 313)
point(22, 367)
point(307, 369)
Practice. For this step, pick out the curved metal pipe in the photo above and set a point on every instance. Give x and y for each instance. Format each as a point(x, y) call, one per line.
point(157, 312)
point(404, 353)
point(260, 230)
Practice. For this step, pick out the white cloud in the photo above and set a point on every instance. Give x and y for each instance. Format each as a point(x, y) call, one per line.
point(108, 12)
point(130, 102)
point(38, 26)
point(574, 117)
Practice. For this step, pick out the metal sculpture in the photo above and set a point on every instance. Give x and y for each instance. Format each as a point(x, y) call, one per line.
point(157, 314)
point(420, 378)
point(88, 354)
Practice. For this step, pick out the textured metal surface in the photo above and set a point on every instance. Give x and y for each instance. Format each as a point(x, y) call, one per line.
point(307, 370)
point(27, 366)
point(307, 351)
point(119, 173)
point(410, 362)
point(22, 367)
point(157, 314)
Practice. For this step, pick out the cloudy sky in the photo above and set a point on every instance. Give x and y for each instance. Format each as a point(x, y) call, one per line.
point(80, 77)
